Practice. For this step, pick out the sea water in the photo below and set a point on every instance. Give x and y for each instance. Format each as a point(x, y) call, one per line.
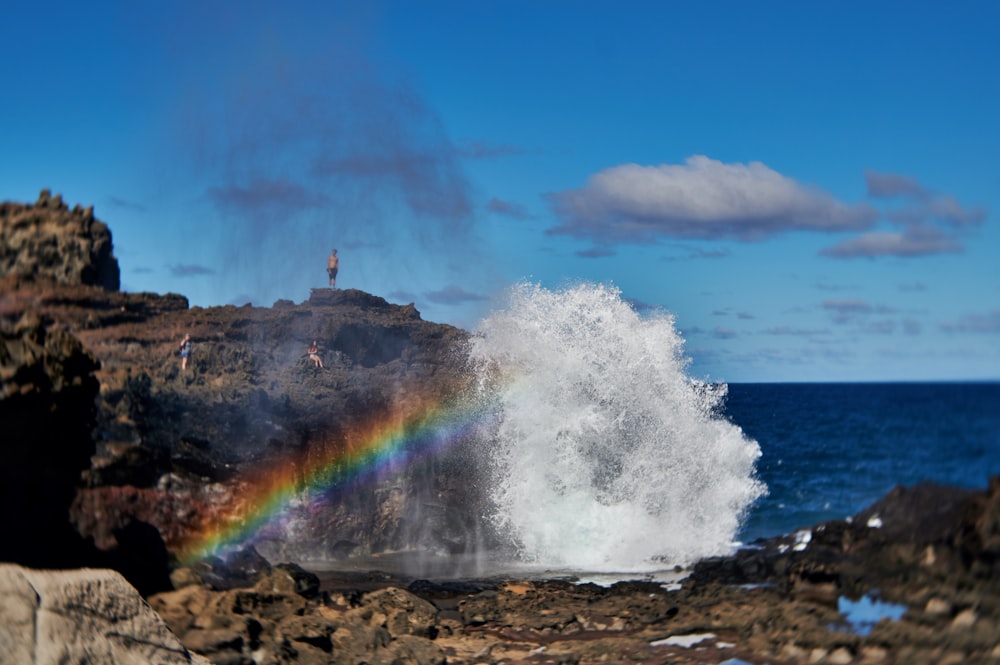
point(829, 450)
point(604, 454)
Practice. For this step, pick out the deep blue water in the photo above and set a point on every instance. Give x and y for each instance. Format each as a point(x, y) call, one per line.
point(831, 449)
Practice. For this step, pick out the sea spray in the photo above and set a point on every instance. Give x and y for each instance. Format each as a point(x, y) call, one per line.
point(604, 454)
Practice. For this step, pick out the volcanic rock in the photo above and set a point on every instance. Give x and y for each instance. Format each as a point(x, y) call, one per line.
point(49, 241)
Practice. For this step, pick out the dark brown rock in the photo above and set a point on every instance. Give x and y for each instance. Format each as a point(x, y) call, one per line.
point(50, 242)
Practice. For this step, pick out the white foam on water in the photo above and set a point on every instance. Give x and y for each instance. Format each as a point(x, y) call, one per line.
point(604, 454)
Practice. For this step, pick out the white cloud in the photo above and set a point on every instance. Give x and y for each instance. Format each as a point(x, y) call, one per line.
point(702, 198)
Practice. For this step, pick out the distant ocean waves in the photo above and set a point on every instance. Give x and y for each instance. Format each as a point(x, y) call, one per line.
point(829, 450)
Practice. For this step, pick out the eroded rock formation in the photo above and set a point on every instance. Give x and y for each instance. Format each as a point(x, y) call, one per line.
point(49, 241)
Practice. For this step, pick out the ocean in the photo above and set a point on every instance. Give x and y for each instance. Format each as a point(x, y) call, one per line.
point(829, 450)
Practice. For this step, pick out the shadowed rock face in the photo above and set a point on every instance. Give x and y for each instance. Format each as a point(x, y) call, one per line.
point(49, 241)
point(47, 412)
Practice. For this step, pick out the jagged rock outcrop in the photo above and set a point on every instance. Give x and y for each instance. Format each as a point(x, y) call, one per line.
point(49, 241)
point(81, 616)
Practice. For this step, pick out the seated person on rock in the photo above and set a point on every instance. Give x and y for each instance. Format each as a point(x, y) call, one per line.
point(313, 352)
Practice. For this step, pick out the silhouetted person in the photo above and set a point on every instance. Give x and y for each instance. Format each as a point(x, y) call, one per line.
point(185, 351)
point(332, 265)
point(314, 355)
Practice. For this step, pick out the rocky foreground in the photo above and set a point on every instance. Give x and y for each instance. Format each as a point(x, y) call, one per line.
point(114, 456)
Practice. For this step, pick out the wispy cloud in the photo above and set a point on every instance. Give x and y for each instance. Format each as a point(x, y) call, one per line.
point(595, 253)
point(724, 333)
point(988, 323)
point(122, 204)
point(847, 311)
point(883, 327)
point(827, 286)
point(507, 209)
point(189, 270)
point(452, 295)
point(916, 241)
point(477, 149)
point(795, 332)
point(689, 252)
point(930, 222)
point(888, 185)
point(702, 198)
point(925, 203)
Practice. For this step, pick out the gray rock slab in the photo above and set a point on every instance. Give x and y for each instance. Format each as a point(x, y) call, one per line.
point(49, 617)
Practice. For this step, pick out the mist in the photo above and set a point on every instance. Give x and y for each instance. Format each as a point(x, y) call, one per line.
point(299, 148)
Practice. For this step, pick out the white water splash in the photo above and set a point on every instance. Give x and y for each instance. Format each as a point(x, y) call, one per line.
point(605, 455)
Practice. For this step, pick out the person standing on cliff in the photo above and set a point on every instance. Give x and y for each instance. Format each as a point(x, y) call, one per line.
point(185, 351)
point(332, 266)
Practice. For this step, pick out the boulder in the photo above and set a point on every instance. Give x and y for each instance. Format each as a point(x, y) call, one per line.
point(81, 616)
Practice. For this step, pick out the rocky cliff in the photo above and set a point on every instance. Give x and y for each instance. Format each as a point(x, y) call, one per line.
point(140, 449)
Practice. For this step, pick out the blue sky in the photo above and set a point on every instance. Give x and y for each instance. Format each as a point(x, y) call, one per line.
point(810, 188)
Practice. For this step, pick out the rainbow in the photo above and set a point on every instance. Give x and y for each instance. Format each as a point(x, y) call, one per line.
point(409, 430)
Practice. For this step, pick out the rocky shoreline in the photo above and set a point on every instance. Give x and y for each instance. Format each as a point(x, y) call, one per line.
point(785, 600)
point(115, 457)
